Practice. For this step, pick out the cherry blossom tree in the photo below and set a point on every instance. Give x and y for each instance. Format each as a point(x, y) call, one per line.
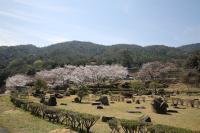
point(156, 69)
point(79, 74)
point(18, 80)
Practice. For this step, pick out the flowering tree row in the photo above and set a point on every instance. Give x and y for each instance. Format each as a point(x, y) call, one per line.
point(63, 75)
point(156, 69)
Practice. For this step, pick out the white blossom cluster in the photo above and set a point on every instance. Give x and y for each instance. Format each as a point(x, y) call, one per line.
point(156, 69)
point(18, 80)
point(76, 74)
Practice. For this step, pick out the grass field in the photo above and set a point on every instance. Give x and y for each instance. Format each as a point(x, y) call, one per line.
point(185, 118)
point(18, 121)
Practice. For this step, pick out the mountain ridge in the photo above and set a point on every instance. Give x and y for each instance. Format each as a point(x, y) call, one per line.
point(28, 58)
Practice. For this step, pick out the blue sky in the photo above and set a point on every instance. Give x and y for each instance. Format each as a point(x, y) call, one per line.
point(142, 22)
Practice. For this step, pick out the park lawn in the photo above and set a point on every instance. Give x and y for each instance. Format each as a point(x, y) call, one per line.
point(19, 121)
point(185, 118)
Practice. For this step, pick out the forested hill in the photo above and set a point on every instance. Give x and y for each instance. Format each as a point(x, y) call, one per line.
point(76, 52)
point(190, 47)
point(29, 58)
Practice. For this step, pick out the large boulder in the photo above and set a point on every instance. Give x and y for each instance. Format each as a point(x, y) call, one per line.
point(159, 105)
point(49, 100)
point(104, 100)
point(77, 100)
point(52, 101)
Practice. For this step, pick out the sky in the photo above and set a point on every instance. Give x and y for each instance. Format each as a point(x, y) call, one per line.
point(142, 22)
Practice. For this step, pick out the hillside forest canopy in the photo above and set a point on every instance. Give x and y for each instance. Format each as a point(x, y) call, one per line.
point(31, 59)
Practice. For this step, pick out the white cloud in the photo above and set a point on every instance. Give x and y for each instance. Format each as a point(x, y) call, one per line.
point(49, 5)
point(28, 17)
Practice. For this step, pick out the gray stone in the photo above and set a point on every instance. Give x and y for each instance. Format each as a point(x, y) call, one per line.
point(104, 100)
point(145, 118)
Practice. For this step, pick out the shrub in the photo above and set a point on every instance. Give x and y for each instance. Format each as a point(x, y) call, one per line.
point(83, 91)
point(127, 94)
point(88, 121)
point(75, 120)
point(131, 126)
point(106, 118)
point(168, 129)
point(114, 125)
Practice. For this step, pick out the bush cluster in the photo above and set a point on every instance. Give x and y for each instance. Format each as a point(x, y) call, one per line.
point(133, 126)
point(128, 126)
point(74, 120)
point(168, 129)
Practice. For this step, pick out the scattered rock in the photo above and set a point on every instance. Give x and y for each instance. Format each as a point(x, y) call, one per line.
point(57, 95)
point(76, 100)
point(99, 107)
point(140, 107)
point(133, 111)
point(172, 111)
point(128, 101)
point(137, 101)
point(106, 118)
point(96, 103)
point(104, 100)
point(159, 105)
point(145, 118)
point(52, 101)
point(63, 104)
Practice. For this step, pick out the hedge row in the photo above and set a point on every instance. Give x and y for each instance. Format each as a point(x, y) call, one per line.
point(133, 126)
point(74, 120)
point(128, 126)
point(83, 122)
point(168, 129)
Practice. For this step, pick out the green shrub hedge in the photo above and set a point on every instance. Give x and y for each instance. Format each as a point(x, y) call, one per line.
point(133, 126)
point(83, 122)
point(168, 129)
point(74, 120)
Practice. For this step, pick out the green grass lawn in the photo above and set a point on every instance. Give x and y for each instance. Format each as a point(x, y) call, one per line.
point(19, 121)
point(185, 118)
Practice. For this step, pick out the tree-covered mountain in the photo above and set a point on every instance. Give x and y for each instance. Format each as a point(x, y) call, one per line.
point(29, 58)
point(190, 47)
